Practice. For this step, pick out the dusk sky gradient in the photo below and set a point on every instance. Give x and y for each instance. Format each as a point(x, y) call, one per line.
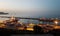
point(31, 8)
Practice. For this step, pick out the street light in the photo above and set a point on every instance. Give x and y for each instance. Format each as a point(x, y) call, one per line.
point(56, 22)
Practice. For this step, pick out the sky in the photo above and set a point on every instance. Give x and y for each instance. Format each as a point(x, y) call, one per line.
point(31, 8)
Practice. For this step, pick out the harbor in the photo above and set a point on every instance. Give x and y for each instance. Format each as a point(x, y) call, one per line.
point(29, 18)
point(12, 26)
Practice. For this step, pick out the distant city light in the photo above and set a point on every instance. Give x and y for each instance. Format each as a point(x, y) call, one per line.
point(56, 22)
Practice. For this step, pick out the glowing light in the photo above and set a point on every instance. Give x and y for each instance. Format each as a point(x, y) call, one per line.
point(56, 22)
